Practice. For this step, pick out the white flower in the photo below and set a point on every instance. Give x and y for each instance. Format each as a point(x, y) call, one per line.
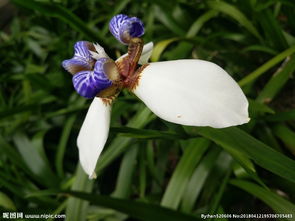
point(188, 92)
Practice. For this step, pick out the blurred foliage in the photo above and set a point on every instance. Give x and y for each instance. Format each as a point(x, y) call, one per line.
point(150, 169)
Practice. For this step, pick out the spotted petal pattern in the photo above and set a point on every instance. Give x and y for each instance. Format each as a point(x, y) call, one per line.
point(124, 28)
point(82, 59)
point(89, 83)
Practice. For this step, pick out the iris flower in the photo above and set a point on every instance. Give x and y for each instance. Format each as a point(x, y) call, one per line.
point(188, 92)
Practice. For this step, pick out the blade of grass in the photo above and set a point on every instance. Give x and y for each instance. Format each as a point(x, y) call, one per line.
point(160, 47)
point(236, 14)
point(272, 29)
point(168, 21)
point(151, 165)
point(77, 208)
point(6, 112)
point(12, 187)
point(147, 134)
point(262, 154)
point(198, 179)
point(222, 165)
point(59, 210)
point(256, 109)
point(61, 147)
point(286, 135)
point(244, 166)
point(261, 48)
point(6, 202)
point(150, 23)
point(242, 158)
point(277, 203)
point(217, 198)
point(220, 210)
point(289, 38)
point(138, 210)
point(199, 23)
point(183, 48)
point(281, 116)
point(193, 152)
point(266, 135)
point(34, 160)
point(277, 82)
point(266, 66)
point(142, 172)
point(63, 14)
point(38, 143)
point(12, 155)
point(126, 172)
point(120, 144)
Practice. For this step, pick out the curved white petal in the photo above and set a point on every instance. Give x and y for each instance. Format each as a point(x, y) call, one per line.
point(99, 52)
point(145, 55)
point(193, 93)
point(93, 135)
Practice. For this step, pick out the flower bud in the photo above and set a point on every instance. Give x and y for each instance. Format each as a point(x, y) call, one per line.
point(124, 28)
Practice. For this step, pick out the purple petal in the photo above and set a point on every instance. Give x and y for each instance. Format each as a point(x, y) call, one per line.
point(89, 83)
point(74, 65)
point(82, 50)
point(124, 28)
point(81, 60)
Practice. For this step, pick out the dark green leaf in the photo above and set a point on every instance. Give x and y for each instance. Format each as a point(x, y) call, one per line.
point(262, 155)
point(34, 160)
point(193, 152)
point(147, 134)
point(57, 11)
point(276, 202)
point(139, 210)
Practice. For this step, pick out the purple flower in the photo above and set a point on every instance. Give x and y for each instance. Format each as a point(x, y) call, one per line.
point(82, 59)
point(89, 75)
point(89, 83)
point(124, 28)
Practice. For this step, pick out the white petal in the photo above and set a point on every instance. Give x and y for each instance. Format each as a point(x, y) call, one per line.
point(100, 52)
point(94, 55)
point(93, 135)
point(193, 93)
point(145, 55)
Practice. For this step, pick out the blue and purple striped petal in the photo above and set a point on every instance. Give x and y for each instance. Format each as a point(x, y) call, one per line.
point(89, 83)
point(81, 60)
point(124, 28)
